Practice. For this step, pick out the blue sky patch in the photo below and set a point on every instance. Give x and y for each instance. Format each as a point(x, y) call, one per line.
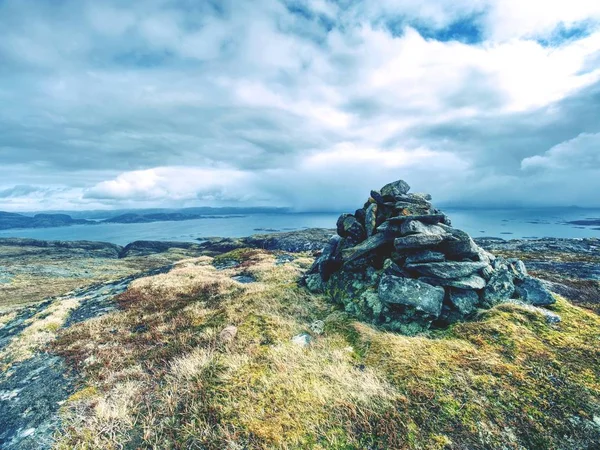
point(465, 29)
point(563, 33)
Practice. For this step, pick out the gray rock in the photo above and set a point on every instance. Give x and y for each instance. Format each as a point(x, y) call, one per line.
point(228, 334)
point(448, 269)
point(375, 195)
point(412, 293)
point(417, 227)
point(410, 208)
point(470, 282)
point(360, 215)
point(518, 269)
point(485, 256)
point(425, 218)
point(369, 245)
point(532, 291)
point(499, 288)
point(314, 283)
point(487, 272)
point(465, 301)
point(330, 259)
point(302, 340)
point(391, 268)
point(422, 195)
point(462, 246)
point(349, 227)
point(416, 241)
point(396, 188)
point(425, 256)
point(317, 327)
point(414, 199)
point(371, 219)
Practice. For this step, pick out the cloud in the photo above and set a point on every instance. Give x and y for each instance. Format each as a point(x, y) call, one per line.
point(175, 184)
point(581, 153)
point(280, 101)
point(19, 191)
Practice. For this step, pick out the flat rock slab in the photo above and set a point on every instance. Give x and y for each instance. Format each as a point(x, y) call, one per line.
point(425, 218)
point(533, 291)
point(448, 270)
point(417, 241)
point(473, 281)
point(373, 243)
point(244, 279)
point(30, 393)
point(414, 293)
point(425, 256)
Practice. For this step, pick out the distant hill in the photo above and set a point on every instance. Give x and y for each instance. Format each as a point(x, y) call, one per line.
point(60, 219)
point(161, 217)
point(14, 220)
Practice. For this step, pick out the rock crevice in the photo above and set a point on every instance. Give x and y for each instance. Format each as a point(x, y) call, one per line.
point(397, 262)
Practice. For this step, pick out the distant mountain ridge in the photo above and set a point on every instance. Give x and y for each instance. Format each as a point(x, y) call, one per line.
point(14, 220)
point(10, 220)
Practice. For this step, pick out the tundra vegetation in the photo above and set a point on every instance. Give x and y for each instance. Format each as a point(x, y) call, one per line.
point(157, 374)
point(207, 355)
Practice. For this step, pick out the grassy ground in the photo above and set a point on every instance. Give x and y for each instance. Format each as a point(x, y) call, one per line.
point(30, 274)
point(160, 373)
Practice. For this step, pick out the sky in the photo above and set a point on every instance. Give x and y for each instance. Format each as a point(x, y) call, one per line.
point(306, 104)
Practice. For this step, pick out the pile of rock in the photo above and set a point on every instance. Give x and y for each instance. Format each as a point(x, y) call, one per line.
point(397, 262)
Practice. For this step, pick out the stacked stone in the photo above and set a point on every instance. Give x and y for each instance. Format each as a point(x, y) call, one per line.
point(397, 262)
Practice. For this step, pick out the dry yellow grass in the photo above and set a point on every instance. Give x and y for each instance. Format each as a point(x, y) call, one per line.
point(6, 318)
point(40, 331)
point(158, 376)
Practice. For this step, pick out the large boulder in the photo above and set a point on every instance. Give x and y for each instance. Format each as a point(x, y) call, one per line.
point(425, 256)
point(421, 297)
point(474, 282)
point(395, 189)
point(532, 291)
point(368, 246)
point(349, 227)
point(464, 300)
point(499, 288)
point(448, 269)
point(417, 241)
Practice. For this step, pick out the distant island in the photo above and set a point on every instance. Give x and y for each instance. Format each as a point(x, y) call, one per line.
point(13, 220)
point(9, 220)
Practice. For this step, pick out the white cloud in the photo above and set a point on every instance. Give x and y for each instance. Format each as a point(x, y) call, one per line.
point(161, 102)
point(581, 154)
point(175, 184)
point(509, 19)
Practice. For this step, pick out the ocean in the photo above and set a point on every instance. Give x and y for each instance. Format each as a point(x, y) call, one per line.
point(505, 223)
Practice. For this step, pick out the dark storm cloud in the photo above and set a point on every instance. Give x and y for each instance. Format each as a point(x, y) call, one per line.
point(168, 102)
point(502, 141)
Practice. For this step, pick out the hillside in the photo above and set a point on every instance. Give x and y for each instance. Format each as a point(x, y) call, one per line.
point(224, 349)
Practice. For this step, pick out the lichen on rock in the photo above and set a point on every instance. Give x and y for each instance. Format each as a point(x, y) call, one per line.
point(398, 263)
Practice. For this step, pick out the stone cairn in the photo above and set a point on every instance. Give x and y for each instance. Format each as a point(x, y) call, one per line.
point(398, 263)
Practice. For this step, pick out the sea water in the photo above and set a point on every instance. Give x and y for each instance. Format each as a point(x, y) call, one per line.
point(507, 224)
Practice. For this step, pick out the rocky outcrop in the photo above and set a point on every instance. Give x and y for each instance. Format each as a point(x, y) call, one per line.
point(397, 262)
point(91, 249)
point(310, 239)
